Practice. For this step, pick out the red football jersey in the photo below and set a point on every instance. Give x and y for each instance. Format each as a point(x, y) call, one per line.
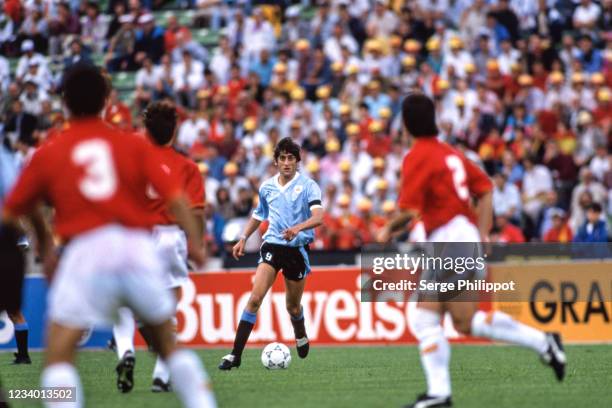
point(187, 174)
point(439, 182)
point(93, 174)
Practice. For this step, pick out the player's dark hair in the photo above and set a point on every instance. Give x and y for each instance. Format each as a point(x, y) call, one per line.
point(287, 145)
point(160, 120)
point(419, 115)
point(85, 90)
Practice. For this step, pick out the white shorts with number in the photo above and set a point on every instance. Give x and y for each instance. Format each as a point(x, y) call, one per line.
point(171, 245)
point(105, 269)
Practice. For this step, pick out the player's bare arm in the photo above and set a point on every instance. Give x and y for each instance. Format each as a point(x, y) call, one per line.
point(314, 221)
point(398, 222)
point(186, 220)
point(238, 249)
point(484, 214)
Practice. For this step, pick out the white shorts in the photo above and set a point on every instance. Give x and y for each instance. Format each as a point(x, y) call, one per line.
point(458, 229)
point(171, 244)
point(105, 269)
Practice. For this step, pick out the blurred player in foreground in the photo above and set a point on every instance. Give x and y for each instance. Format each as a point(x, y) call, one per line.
point(444, 206)
point(95, 177)
point(291, 202)
point(160, 121)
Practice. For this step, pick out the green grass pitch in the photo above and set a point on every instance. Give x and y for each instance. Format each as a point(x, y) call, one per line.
point(483, 376)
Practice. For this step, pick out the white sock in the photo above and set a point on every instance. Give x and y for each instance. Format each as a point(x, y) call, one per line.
point(161, 370)
point(124, 331)
point(500, 326)
point(434, 348)
point(190, 381)
point(63, 375)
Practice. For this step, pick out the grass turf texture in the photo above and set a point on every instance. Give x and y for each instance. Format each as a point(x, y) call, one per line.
point(483, 376)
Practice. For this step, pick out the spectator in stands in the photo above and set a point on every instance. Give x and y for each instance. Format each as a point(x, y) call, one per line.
point(594, 228)
point(505, 232)
point(94, 28)
point(120, 54)
point(506, 198)
point(559, 230)
point(20, 124)
point(28, 55)
point(35, 28)
point(586, 15)
point(187, 78)
point(149, 40)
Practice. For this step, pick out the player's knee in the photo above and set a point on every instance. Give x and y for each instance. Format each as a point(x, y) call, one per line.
point(424, 323)
point(294, 309)
point(462, 324)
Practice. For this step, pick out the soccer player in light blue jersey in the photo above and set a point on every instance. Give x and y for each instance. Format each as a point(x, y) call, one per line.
point(291, 202)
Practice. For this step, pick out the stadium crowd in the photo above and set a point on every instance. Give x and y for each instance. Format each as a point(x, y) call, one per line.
point(521, 86)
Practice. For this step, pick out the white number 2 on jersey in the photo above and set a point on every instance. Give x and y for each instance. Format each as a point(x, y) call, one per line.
point(100, 180)
point(455, 165)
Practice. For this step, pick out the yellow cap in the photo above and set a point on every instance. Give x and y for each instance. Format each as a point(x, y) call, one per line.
point(250, 124)
point(203, 167)
point(373, 45)
point(384, 112)
point(344, 200)
point(455, 42)
point(332, 145)
point(603, 95)
point(302, 44)
point(337, 66)
point(597, 78)
point(556, 77)
point(323, 92)
point(364, 204)
point(375, 126)
point(313, 166)
point(470, 68)
point(298, 94)
point(382, 184)
point(408, 61)
point(352, 69)
point(230, 168)
point(379, 162)
point(345, 165)
point(344, 109)
point(223, 90)
point(578, 77)
point(280, 68)
point(492, 65)
point(443, 84)
point(352, 129)
point(459, 100)
point(388, 206)
point(411, 45)
point(433, 44)
point(525, 80)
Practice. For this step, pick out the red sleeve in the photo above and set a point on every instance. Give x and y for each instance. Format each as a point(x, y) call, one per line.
point(159, 173)
point(29, 188)
point(415, 174)
point(194, 186)
point(477, 180)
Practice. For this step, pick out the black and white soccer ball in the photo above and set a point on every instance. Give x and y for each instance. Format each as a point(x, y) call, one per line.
point(276, 356)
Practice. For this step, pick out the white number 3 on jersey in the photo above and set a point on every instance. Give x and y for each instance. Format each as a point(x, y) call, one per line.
point(100, 180)
point(455, 165)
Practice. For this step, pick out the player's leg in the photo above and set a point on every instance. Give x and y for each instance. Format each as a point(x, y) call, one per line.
point(161, 374)
point(424, 319)
point(264, 278)
point(59, 368)
point(293, 297)
point(21, 337)
point(123, 333)
point(189, 378)
point(499, 326)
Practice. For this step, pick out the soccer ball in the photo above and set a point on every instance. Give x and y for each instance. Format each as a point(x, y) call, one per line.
point(276, 356)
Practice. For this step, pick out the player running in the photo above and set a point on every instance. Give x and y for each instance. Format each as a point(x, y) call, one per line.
point(438, 183)
point(291, 202)
point(160, 121)
point(95, 177)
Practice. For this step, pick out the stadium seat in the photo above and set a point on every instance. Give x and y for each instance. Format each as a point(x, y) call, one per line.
point(124, 81)
point(185, 17)
point(13, 63)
